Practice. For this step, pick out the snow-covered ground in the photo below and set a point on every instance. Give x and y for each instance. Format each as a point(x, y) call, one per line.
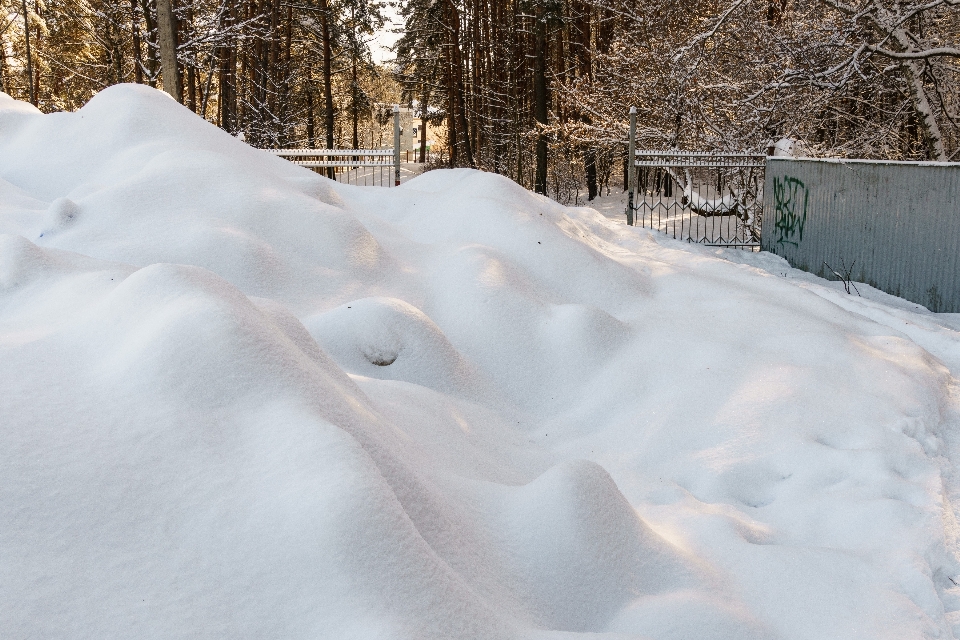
point(239, 401)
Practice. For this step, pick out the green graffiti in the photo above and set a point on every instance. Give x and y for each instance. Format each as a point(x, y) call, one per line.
point(935, 299)
point(790, 197)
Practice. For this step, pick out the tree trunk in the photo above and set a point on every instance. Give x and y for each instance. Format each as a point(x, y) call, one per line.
point(273, 72)
point(311, 136)
point(284, 98)
point(170, 66)
point(328, 120)
point(928, 122)
point(151, 37)
point(228, 82)
point(590, 168)
point(26, 35)
point(187, 28)
point(451, 111)
point(137, 47)
point(37, 47)
point(581, 46)
point(540, 98)
point(255, 65)
point(354, 107)
point(3, 67)
point(457, 64)
point(424, 98)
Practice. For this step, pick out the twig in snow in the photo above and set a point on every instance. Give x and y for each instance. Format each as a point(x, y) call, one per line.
point(845, 277)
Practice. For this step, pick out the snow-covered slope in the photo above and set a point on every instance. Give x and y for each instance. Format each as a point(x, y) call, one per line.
point(240, 401)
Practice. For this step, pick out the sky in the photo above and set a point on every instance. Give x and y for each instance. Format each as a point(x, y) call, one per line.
point(385, 38)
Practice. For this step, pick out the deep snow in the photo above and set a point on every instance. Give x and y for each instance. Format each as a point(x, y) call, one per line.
point(241, 401)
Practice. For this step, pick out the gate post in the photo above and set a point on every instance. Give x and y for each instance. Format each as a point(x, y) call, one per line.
point(396, 145)
point(631, 164)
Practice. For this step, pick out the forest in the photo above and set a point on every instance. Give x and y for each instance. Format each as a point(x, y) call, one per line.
point(537, 90)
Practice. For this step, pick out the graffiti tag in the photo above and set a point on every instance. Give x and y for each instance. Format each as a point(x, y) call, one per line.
point(790, 197)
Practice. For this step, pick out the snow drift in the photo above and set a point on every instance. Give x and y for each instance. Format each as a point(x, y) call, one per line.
point(242, 401)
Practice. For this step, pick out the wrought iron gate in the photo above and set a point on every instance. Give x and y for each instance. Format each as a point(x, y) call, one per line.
point(714, 199)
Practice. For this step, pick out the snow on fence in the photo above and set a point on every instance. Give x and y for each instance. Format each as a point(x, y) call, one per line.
point(710, 198)
point(893, 225)
point(371, 166)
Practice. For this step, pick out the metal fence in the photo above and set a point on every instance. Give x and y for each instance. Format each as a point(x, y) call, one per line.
point(708, 198)
point(369, 167)
point(893, 225)
point(412, 156)
point(715, 199)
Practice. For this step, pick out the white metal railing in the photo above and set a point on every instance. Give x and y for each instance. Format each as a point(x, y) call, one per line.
point(310, 157)
point(336, 157)
point(358, 163)
point(357, 166)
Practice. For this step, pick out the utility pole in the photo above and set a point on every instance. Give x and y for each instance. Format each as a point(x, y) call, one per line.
point(167, 27)
point(26, 35)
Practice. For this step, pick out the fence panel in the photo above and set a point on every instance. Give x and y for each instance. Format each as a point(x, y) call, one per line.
point(893, 225)
point(709, 198)
point(369, 167)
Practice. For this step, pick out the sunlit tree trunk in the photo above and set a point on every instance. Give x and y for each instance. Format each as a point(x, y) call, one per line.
point(26, 35)
point(137, 47)
point(170, 66)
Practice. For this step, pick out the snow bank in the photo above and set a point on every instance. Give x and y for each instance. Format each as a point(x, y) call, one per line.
point(241, 401)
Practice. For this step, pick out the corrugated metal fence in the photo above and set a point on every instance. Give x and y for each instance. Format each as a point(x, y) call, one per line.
point(893, 225)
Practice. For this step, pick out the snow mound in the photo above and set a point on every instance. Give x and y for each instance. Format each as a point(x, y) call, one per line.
point(393, 340)
point(578, 551)
point(140, 167)
point(240, 400)
point(11, 108)
point(21, 261)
